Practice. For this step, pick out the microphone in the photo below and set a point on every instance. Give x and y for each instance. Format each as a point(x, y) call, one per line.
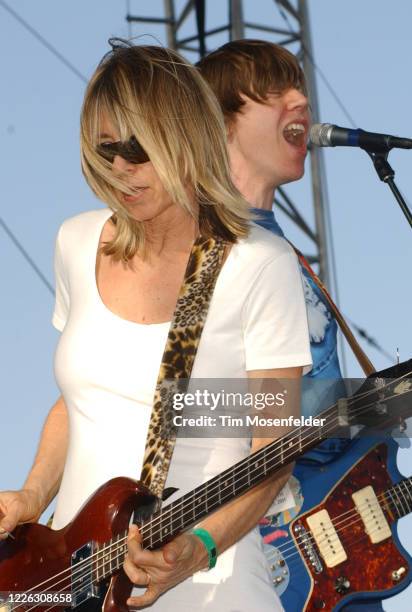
point(328, 135)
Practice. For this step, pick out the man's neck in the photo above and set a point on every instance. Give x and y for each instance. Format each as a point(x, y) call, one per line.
point(254, 187)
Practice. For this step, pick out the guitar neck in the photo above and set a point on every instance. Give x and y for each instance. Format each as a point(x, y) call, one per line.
point(400, 497)
point(189, 509)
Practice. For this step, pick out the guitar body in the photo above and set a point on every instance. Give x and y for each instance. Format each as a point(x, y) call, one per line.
point(38, 553)
point(85, 558)
point(368, 568)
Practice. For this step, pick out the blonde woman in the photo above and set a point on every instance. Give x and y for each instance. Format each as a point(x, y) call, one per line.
point(153, 150)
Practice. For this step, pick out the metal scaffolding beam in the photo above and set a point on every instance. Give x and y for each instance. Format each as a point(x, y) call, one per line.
point(187, 31)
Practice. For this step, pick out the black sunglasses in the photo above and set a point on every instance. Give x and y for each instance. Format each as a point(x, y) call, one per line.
point(130, 151)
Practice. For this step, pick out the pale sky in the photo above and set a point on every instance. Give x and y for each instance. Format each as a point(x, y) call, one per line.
point(363, 49)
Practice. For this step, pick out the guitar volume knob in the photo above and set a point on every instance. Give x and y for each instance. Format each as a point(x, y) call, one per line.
point(342, 585)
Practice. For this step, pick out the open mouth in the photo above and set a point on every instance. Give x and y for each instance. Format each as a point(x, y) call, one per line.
point(137, 191)
point(295, 134)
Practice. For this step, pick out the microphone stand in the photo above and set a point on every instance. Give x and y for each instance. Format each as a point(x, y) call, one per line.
point(386, 174)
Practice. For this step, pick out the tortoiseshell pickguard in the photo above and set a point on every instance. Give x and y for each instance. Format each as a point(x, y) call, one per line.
point(368, 566)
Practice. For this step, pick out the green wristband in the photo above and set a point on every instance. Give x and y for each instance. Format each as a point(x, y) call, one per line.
point(209, 544)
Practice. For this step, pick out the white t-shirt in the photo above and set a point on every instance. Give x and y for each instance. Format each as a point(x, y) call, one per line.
point(107, 368)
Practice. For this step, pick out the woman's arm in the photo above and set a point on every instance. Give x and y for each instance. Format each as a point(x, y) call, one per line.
point(186, 554)
point(243, 513)
point(44, 478)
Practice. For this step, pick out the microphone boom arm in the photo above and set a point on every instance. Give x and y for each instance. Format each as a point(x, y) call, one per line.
point(387, 174)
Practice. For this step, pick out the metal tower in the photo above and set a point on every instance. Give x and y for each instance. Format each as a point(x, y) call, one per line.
point(196, 27)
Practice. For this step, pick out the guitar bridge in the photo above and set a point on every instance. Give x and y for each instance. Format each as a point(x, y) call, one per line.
point(305, 544)
point(83, 584)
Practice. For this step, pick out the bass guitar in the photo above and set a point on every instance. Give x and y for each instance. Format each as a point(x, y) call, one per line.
point(82, 562)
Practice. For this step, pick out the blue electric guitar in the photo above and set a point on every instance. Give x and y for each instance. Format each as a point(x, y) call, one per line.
point(343, 545)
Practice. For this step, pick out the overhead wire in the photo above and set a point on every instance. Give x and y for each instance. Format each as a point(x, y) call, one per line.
point(43, 41)
point(52, 49)
point(370, 340)
point(26, 256)
point(332, 92)
point(75, 71)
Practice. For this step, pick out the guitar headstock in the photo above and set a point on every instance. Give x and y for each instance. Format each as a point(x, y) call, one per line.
point(384, 399)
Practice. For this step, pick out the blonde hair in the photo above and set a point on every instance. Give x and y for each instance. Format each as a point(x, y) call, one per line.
point(155, 95)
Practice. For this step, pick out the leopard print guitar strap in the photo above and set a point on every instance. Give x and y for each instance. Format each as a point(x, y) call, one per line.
point(205, 262)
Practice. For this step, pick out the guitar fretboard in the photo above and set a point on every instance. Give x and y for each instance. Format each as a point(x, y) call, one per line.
point(400, 496)
point(189, 509)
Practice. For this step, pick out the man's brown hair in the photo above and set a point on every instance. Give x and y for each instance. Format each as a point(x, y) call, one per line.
point(254, 68)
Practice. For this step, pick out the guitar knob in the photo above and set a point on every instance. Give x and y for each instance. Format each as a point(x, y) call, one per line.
point(319, 604)
point(397, 574)
point(342, 585)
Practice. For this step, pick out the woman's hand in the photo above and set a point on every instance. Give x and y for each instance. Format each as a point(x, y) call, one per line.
point(16, 507)
point(161, 569)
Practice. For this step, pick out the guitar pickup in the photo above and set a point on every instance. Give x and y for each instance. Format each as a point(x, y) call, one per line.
point(326, 538)
point(371, 513)
point(343, 417)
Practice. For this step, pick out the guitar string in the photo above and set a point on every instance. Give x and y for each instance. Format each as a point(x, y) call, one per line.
point(350, 401)
point(389, 500)
point(288, 557)
point(383, 495)
point(258, 454)
point(364, 408)
point(365, 534)
point(126, 532)
point(284, 454)
point(346, 523)
point(111, 546)
point(118, 556)
point(102, 565)
point(301, 556)
point(330, 427)
point(297, 553)
point(356, 510)
point(380, 497)
point(285, 557)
